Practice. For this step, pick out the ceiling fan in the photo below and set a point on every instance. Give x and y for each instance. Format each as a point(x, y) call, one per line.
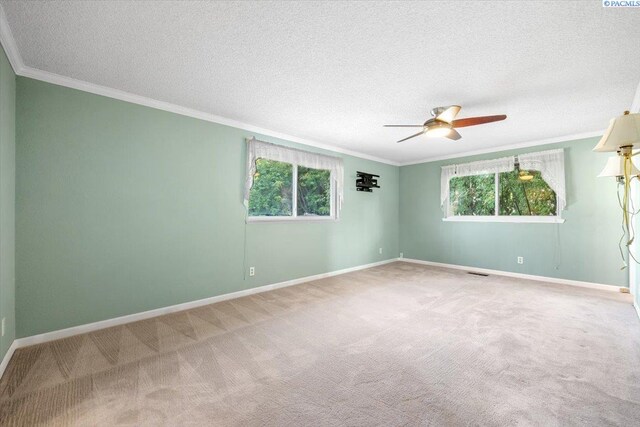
point(442, 123)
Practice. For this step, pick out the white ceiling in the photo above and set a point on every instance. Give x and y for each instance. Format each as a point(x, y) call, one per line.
point(335, 72)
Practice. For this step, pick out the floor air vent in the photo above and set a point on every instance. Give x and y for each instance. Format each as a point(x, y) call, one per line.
point(477, 274)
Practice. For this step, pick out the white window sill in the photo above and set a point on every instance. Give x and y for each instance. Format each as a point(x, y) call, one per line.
point(290, 219)
point(516, 219)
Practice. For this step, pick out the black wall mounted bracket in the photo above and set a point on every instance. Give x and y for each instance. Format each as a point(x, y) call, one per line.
point(366, 181)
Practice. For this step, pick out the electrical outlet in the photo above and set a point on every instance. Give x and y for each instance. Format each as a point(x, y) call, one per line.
point(520, 260)
point(3, 322)
point(252, 271)
point(380, 250)
point(401, 255)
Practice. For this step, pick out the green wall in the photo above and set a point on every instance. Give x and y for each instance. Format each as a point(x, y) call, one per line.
point(122, 208)
point(7, 200)
point(584, 247)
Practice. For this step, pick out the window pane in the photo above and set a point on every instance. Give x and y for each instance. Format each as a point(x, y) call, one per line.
point(271, 194)
point(314, 192)
point(472, 195)
point(526, 193)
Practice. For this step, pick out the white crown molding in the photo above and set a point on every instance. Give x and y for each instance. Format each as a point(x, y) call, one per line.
point(72, 83)
point(556, 140)
point(8, 42)
point(546, 279)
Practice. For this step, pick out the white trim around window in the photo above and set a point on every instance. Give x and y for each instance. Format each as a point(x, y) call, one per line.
point(549, 163)
point(296, 158)
point(506, 218)
point(308, 218)
point(294, 217)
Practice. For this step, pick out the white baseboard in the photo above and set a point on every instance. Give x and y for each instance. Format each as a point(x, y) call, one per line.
point(518, 275)
point(637, 307)
point(90, 327)
point(7, 357)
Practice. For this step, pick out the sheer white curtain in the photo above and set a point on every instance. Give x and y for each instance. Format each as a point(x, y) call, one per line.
point(446, 174)
point(482, 167)
point(265, 150)
point(549, 163)
point(551, 166)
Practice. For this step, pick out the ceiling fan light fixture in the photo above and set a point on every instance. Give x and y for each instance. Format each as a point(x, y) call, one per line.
point(443, 123)
point(438, 130)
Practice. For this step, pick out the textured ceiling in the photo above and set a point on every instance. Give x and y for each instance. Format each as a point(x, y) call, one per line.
point(335, 72)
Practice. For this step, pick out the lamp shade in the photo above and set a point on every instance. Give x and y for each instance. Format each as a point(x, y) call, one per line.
point(615, 167)
point(622, 131)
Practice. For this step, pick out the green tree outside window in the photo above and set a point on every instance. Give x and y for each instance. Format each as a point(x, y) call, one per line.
point(314, 191)
point(473, 195)
point(272, 190)
point(526, 197)
point(520, 193)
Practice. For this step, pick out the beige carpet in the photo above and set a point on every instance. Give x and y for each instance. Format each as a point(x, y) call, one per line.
point(395, 345)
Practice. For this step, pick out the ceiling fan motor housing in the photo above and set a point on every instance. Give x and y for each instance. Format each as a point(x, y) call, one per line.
point(435, 112)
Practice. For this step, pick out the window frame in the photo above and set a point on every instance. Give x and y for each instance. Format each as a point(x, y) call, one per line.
point(294, 202)
point(525, 219)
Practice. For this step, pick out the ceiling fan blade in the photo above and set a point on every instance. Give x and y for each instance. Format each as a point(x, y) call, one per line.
point(402, 126)
point(453, 134)
point(412, 136)
point(472, 121)
point(449, 114)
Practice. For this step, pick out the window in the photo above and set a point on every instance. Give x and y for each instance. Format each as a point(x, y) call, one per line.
point(526, 193)
point(526, 188)
point(290, 184)
point(473, 195)
point(314, 192)
point(273, 187)
point(272, 191)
